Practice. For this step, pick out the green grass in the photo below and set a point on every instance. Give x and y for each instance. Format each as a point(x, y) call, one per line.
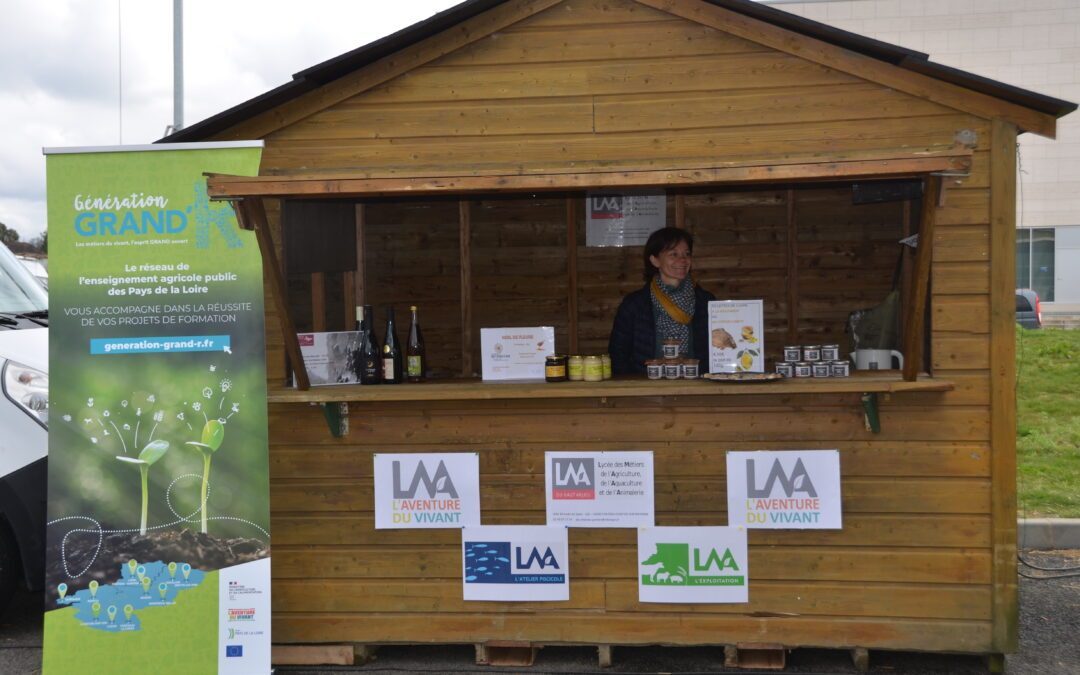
point(1048, 422)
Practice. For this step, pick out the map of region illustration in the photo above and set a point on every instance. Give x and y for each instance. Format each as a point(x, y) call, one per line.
point(114, 607)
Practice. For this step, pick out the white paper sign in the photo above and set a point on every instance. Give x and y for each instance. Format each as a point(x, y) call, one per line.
point(515, 562)
point(784, 490)
point(736, 336)
point(516, 353)
point(599, 489)
point(693, 565)
point(620, 219)
point(429, 491)
point(328, 356)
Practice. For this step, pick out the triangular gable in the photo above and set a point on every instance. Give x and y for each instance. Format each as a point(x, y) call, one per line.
point(281, 110)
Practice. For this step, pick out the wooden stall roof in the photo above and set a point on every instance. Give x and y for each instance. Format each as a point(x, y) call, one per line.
point(872, 59)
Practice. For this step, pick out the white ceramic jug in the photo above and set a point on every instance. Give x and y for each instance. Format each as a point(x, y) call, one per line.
point(876, 359)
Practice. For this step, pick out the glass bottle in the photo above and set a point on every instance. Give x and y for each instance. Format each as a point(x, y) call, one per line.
point(370, 356)
point(391, 352)
point(414, 350)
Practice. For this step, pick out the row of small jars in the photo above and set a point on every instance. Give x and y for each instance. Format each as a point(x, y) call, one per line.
point(673, 369)
point(835, 368)
point(576, 368)
point(811, 353)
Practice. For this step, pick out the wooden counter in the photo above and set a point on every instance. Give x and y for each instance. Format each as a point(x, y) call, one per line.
point(877, 382)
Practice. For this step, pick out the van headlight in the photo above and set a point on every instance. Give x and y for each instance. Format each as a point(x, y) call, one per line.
point(28, 388)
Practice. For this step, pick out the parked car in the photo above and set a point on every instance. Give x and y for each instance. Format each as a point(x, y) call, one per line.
point(24, 422)
point(1028, 308)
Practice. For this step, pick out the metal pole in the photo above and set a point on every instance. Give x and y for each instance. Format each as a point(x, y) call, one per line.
point(178, 65)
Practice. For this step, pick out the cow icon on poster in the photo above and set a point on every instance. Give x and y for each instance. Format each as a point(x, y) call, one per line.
point(427, 491)
point(515, 563)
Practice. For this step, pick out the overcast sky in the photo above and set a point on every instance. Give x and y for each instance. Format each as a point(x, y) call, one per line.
point(63, 81)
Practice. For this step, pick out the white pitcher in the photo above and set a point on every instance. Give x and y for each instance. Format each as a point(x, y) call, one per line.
point(876, 359)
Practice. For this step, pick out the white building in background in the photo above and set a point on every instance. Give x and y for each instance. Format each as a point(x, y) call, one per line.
point(1033, 44)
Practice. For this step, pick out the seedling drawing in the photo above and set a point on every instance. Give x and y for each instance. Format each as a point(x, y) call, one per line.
point(213, 433)
point(153, 451)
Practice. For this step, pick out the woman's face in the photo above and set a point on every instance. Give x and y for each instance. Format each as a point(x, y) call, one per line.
point(673, 263)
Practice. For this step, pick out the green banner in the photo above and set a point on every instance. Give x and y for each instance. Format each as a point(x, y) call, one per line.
point(158, 539)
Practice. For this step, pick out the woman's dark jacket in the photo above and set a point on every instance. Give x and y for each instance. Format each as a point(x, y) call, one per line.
point(633, 335)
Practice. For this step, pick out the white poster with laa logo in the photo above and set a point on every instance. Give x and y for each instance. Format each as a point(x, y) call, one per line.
point(427, 491)
point(599, 489)
point(784, 490)
point(515, 563)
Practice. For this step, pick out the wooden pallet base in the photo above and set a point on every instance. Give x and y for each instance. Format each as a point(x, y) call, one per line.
point(312, 655)
point(755, 656)
point(504, 653)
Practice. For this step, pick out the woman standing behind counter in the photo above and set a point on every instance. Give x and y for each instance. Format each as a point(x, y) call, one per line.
point(669, 307)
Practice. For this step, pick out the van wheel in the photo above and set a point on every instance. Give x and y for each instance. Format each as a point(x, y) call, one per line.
point(10, 567)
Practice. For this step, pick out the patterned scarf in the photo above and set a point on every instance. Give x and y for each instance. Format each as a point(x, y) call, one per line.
point(666, 302)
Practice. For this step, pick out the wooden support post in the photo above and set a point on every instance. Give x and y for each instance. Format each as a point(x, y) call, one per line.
point(571, 274)
point(505, 653)
point(860, 658)
point(680, 211)
point(464, 239)
point(915, 321)
point(348, 283)
point(792, 271)
point(318, 301)
point(252, 215)
point(906, 230)
point(606, 654)
point(358, 281)
point(1006, 612)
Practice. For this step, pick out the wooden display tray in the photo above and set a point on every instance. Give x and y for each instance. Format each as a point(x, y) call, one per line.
point(877, 382)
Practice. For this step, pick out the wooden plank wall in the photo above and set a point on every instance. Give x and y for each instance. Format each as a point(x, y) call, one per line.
point(607, 84)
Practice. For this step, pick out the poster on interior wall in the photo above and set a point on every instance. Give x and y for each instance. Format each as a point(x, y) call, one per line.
point(158, 536)
point(505, 563)
point(599, 489)
point(623, 219)
point(736, 336)
point(693, 565)
point(427, 491)
point(784, 490)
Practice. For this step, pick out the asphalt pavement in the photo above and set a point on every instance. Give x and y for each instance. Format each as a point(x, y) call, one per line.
point(1049, 644)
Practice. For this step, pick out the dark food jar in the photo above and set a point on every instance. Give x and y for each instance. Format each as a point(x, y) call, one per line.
point(555, 368)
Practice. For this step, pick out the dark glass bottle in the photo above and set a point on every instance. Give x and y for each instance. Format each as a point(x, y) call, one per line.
point(370, 354)
point(391, 352)
point(415, 357)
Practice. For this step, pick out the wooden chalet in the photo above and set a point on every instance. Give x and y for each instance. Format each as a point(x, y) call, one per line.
point(446, 166)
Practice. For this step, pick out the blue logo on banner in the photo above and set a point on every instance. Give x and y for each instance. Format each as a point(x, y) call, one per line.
point(490, 563)
point(234, 650)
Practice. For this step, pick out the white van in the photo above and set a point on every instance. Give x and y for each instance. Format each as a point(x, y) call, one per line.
point(24, 426)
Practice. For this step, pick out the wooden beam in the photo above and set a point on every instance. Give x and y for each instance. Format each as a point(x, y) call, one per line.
point(385, 69)
point(318, 302)
point(1002, 383)
point(792, 271)
point(572, 273)
point(464, 244)
point(915, 321)
point(361, 265)
point(891, 166)
point(680, 211)
point(252, 215)
point(906, 230)
point(859, 65)
point(348, 288)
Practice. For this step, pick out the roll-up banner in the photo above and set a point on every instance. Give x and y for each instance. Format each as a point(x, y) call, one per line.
point(158, 538)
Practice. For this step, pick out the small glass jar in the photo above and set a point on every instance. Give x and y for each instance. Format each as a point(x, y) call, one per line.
point(671, 348)
point(594, 369)
point(840, 368)
point(830, 352)
point(785, 368)
point(811, 353)
point(555, 368)
point(821, 368)
point(690, 369)
point(792, 353)
point(672, 369)
point(605, 363)
point(802, 369)
point(575, 368)
point(654, 369)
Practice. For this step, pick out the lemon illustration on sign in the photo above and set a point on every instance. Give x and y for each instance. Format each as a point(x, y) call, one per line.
point(746, 361)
